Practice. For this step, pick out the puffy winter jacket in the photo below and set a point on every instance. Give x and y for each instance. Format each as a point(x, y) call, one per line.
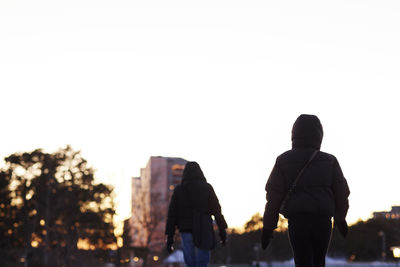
point(322, 188)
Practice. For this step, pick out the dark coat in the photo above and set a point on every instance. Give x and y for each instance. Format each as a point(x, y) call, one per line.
point(194, 193)
point(322, 188)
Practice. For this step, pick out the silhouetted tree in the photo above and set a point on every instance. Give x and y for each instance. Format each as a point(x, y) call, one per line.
point(254, 224)
point(149, 212)
point(9, 237)
point(364, 242)
point(57, 204)
point(245, 247)
point(126, 237)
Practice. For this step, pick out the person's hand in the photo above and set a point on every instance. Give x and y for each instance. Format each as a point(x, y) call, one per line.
point(342, 227)
point(170, 242)
point(170, 248)
point(222, 235)
point(267, 235)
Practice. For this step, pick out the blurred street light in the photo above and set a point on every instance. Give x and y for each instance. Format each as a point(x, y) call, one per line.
point(396, 253)
point(120, 242)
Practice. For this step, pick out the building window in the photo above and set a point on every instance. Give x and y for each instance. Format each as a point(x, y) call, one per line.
point(177, 170)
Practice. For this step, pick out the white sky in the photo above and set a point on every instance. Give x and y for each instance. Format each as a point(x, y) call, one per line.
point(219, 82)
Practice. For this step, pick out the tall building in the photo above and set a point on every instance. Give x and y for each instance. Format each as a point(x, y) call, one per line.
point(393, 214)
point(151, 193)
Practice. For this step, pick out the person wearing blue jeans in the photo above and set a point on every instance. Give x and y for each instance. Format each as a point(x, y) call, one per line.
point(194, 257)
point(192, 204)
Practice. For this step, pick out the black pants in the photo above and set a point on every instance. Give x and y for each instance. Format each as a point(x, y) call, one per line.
point(309, 236)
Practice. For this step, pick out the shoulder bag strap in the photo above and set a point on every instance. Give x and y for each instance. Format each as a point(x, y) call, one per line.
point(292, 187)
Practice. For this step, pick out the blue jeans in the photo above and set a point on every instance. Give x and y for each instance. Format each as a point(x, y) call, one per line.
point(194, 257)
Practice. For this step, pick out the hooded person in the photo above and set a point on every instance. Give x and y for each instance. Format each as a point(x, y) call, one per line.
point(320, 193)
point(192, 198)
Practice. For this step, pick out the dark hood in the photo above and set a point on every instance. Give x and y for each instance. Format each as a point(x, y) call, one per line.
point(192, 172)
point(307, 132)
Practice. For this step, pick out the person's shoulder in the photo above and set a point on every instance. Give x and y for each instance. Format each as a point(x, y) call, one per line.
point(299, 154)
point(208, 186)
point(285, 154)
point(326, 156)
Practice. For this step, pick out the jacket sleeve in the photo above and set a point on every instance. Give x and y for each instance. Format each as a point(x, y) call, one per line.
point(172, 216)
point(341, 192)
point(215, 209)
point(276, 191)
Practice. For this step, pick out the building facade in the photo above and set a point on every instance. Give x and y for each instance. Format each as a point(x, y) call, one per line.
point(151, 193)
point(393, 214)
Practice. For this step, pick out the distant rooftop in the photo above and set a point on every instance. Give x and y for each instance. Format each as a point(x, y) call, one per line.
point(393, 214)
point(173, 158)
